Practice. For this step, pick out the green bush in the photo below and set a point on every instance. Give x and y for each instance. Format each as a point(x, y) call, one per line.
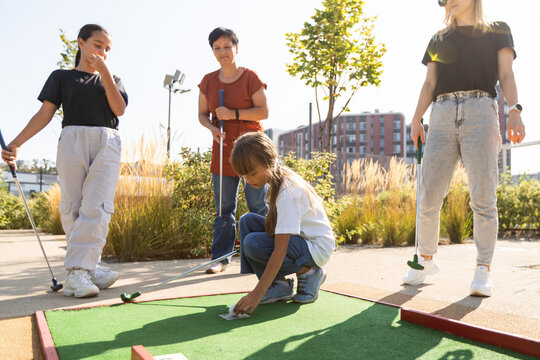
point(316, 171)
point(519, 204)
point(347, 226)
point(46, 213)
point(456, 215)
point(12, 212)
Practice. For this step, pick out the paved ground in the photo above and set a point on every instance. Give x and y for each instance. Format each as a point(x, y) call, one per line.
point(369, 272)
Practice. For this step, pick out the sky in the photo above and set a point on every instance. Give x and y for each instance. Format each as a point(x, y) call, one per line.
point(154, 38)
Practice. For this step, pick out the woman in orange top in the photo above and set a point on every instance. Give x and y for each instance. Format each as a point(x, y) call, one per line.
point(244, 107)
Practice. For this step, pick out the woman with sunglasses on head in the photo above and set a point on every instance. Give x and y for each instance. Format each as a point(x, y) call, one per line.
point(464, 62)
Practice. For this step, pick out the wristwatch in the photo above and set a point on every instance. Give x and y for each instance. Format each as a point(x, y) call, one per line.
point(516, 107)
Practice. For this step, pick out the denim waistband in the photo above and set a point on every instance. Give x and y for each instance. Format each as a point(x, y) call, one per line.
point(462, 94)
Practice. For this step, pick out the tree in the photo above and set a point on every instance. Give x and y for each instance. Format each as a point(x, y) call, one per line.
point(336, 53)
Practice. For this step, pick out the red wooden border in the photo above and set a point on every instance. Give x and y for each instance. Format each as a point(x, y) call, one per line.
point(473, 332)
point(47, 343)
point(139, 352)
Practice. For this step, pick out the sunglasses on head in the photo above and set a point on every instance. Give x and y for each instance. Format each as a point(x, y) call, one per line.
point(443, 3)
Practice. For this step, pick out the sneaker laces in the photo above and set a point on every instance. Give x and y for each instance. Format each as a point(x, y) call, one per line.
point(100, 271)
point(83, 277)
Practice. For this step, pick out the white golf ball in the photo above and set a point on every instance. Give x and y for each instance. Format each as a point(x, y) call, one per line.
point(231, 308)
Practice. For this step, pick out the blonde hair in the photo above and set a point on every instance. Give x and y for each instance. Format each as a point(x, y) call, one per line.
point(480, 22)
point(255, 149)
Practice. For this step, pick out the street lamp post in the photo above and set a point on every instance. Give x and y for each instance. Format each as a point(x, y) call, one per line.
point(168, 83)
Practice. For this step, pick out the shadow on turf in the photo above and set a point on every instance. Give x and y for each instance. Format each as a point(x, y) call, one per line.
point(371, 334)
point(151, 334)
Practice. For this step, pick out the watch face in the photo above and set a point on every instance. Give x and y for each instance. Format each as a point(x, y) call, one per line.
point(442, 3)
point(519, 107)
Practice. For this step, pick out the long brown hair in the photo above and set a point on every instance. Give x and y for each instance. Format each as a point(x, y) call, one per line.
point(255, 149)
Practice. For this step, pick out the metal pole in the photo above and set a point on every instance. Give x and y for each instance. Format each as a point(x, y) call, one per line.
point(169, 127)
point(40, 179)
point(309, 132)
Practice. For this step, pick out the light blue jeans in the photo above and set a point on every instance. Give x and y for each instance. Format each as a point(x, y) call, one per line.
point(225, 225)
point(462, 125)
point(256, 247)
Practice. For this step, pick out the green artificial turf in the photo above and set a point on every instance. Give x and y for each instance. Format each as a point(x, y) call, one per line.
point(334, 327)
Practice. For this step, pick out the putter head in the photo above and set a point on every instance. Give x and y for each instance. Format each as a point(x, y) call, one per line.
point(131, 297)
point(414, 264)
point(56, 286)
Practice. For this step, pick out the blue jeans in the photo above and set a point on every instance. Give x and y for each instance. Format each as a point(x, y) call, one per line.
point(225, 225)
point(256, 247)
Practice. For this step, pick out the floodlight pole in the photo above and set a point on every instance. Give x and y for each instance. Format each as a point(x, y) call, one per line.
point(169, 126)
point(168, 83)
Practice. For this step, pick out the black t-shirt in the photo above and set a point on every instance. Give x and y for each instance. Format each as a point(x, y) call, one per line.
point(83, 98)
point(467, 58)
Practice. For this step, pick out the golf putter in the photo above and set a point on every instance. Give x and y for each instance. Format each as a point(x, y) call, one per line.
point(55, 286)
point(221, 93)
point(415, 264)
point(130, 297)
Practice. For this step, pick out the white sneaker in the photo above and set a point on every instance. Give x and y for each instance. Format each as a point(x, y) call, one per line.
point(78, 284)
point(103, 277)
point(417, 277)
point(216, 268)
point(481, 284)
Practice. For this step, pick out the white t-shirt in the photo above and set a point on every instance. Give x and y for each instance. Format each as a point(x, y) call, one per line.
point(297, 215)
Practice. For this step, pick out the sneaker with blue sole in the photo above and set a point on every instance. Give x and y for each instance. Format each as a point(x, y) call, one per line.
point(308, 286)
point(278, 291)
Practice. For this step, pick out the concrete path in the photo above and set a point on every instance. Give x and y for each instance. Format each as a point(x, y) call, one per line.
point(364, 271)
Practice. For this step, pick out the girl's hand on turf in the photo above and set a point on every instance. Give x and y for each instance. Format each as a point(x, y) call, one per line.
point(216, 134)
point(224, 113)
point(248, 303)
point(10, 155)
point(98, 63)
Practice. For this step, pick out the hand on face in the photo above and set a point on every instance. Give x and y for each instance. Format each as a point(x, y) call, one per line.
point(98, 62)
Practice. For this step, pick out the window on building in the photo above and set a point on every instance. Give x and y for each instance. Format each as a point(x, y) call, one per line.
point(363, 138)
point(397, 124)
point(351, 126)
point(351, 138)
point(362, 149)
point(397, 150)
point(362, 125)
point(396, 136)
point(381, 130)
point(334, 140)
point(381, 143)
point(334, 128)
point(350, 150)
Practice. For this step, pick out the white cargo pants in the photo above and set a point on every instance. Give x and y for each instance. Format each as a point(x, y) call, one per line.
point(88, 163)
